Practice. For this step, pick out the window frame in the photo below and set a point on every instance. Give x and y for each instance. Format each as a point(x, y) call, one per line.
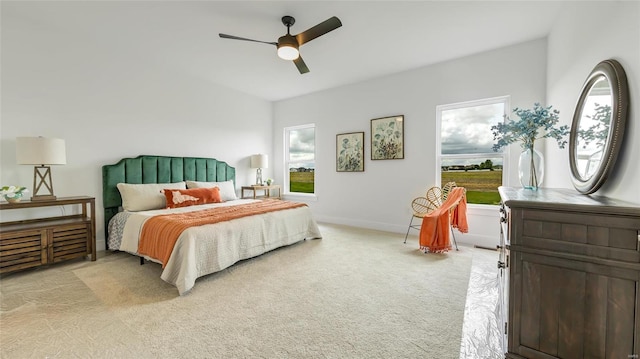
point(286, 184)
point(506, 100)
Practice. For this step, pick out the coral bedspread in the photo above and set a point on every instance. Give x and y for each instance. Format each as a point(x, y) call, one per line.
point(434, 233)
point(160, 234)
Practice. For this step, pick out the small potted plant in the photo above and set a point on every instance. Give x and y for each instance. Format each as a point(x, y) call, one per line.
point(534, 124)
point(13, 194)
point(269, 181)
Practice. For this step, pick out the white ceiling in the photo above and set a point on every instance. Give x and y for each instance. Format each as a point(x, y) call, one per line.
point(377, 38)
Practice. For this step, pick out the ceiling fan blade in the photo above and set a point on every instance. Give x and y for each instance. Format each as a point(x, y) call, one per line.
point(322, 28)
point(302, 67)
point(225, 36)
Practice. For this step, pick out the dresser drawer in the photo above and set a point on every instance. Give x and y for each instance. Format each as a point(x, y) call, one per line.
point(594, 235)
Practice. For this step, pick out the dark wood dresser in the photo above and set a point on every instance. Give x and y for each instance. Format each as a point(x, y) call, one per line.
point(570, 270)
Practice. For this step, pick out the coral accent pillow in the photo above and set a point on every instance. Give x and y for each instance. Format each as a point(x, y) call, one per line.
point(189, 197)
point(227, 188)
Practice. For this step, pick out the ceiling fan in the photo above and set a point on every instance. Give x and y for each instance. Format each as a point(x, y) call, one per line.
point(289, 45)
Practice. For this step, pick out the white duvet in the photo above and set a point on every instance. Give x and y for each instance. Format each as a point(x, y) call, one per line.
point(209, 248)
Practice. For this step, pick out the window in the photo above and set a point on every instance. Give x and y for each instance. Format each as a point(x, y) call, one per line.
point(465, 151)
point(300, 158)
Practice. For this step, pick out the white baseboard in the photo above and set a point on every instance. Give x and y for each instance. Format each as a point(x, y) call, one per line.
point(467, 238)
point(385, 227)
point(478, 240)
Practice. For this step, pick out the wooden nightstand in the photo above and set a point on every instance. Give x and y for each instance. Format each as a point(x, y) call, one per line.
point(35, 242)
point(267, 191)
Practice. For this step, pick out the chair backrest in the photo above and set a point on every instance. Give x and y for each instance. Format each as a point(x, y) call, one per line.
point(433, 199)
point(421, 206)
point(446, 189)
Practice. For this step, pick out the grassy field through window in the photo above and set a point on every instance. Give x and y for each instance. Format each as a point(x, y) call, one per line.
point(302, 182)
point(482, 186)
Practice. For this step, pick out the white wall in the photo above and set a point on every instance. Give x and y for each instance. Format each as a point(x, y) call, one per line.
point(580, 39)
point(108, 105)
point(380, 196)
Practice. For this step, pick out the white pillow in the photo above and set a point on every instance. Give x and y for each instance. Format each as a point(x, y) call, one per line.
point(227, 190)
point(143, 197)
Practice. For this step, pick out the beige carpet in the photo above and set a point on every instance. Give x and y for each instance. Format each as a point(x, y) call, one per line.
point(354, 294)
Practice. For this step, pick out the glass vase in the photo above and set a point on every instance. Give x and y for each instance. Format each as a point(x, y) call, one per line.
point(13, 198)
point(531, 169)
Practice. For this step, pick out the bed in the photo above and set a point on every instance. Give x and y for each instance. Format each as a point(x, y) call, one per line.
point(130, 195)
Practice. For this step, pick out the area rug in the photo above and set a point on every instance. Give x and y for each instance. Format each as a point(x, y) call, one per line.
point(353, 294)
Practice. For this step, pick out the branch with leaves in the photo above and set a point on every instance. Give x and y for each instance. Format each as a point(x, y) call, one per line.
point(534, 124)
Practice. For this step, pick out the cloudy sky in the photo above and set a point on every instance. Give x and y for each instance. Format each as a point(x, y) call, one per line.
point(302, 147)
point(468, 130)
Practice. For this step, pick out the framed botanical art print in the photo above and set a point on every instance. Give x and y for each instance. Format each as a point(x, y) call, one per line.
point(387, 138)
point(350, 152)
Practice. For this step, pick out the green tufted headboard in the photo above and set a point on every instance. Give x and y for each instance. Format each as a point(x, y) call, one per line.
point(158, 169)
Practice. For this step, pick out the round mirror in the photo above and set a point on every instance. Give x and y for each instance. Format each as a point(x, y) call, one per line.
point(598, 126)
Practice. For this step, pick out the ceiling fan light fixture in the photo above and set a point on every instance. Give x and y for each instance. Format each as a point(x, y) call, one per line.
point(288, 52)
point(288, 48)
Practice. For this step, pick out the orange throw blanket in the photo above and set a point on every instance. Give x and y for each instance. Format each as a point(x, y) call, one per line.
point(434, 233)
point(160, 233)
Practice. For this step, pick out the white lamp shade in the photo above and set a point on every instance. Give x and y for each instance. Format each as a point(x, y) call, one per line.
point(40, 151)
point(259, 161)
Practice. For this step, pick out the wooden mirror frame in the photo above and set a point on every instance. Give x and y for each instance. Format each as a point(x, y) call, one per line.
point(615, 75)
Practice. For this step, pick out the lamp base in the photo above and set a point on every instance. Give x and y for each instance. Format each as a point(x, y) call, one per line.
point(42, 177)
point(43, 198)
point(258, 177)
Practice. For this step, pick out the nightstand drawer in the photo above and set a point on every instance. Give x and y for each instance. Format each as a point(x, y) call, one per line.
point(70, 241)
point(23, 249)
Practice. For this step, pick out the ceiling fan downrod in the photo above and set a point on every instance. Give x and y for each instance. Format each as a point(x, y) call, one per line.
point(288, 21)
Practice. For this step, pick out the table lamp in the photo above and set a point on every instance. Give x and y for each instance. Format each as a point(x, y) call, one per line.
point(42, 152)
point(259, 161)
